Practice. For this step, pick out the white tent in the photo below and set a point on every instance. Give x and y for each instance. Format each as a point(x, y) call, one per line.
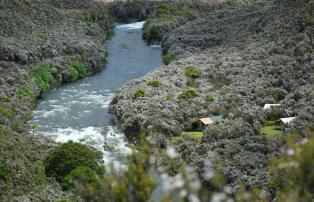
point(268, 106)
point(287, 120)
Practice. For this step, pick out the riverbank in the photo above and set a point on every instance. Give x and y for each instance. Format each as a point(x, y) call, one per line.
point(242, 56)
point(43, 45)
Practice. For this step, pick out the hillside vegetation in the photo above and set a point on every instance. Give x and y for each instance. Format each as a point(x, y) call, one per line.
point(43, 44)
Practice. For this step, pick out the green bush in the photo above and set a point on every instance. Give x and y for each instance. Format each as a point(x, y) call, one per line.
point(192, 72)
point(275, 94)
point(154, 83)
point(210, 98)
point(80, 68)
point(3, 171)
point(293, 172)
point(274, 113)
point(80, 175)
point(164, 13)
point(188, 94)
point(135, 184)
point(25, 91)
point(167, 59)
point(5, 112)
point(169, 97)
point(73, 75)
point(139, 93)
point(42, 77)
point(69, 156)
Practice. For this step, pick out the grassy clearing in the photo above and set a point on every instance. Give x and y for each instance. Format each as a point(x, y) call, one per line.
point(195, 136)
point(271, 130)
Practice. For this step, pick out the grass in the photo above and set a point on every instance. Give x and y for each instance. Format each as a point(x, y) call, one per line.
point(271, 130)
point(195, 136)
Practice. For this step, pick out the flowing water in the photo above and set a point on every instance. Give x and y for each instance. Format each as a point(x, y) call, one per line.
point(79, 111)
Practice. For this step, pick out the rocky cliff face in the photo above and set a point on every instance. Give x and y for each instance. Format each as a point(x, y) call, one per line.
point(42, 44)
point(244, 55)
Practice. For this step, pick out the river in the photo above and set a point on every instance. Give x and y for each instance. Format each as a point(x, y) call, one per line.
point(79, 111)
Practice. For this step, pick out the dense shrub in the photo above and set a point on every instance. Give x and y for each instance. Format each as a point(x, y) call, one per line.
point(80, 68)
point(210, 98)
point(5, 112)
point(153, 83)
point(169, 97)
point(73, 75)
point(164, 13)
point(134, 184)
point(167, 59)
point(188, 94)
point(139, 93)
point(42, 77)
point(275, 94)
point(3, 171)
point(24, 91)
point(192, 72)
point(80, 175)
point(294, 173)
point(69, 156)
point(274, 113)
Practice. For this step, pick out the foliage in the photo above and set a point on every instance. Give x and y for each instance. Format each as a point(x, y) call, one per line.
point(80, 175)
point(271, 130)
point(42, 77)
point(167, 59)
point(5, 112)
point(154, 83)
point(210, 98)
point(134, 184)
point(188, 94)
point(294, 174)
point(169, 97)
point(164, 13)
point(192, 72)
point(274, 113)
point(25, 91)
point(195, 136)
point(139, 93)
point(73, 75)
point(69, 156)
point(80, 68)
point(3, 171)
point(275, 94)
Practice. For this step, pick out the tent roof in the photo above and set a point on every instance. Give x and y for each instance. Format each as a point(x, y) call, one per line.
point(287, 120)
point(268, 106)
point(212, 119)
point(207, 121)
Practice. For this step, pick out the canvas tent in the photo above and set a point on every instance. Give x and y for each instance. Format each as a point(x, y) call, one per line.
point(268, 106)
point(212, 120)
point(287, 120)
